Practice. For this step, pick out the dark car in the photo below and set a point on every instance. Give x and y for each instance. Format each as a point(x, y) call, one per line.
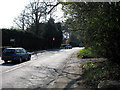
point(68, 47)
point(15, 55)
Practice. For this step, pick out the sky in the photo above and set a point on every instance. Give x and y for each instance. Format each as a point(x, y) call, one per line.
point(9, 9)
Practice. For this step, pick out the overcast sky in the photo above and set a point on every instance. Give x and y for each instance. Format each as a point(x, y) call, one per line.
point(9, 9)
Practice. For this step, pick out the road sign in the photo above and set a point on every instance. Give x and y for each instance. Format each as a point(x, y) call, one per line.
point(12, 40)
point(53, 38)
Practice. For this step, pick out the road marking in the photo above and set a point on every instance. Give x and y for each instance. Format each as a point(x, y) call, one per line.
point(14, 68)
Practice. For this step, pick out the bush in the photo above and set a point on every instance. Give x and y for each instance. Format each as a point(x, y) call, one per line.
point(94, 72)
point(23, 39)
point(86, 52)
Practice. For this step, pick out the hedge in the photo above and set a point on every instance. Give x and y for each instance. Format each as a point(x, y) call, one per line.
point(23, 39)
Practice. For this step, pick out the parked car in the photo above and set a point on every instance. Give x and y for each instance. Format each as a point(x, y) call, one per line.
point(68, 47)
point(15, 55)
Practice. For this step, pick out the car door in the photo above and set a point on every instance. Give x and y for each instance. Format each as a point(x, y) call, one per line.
point(22, 54)
point(25, 55)
point(18, 52)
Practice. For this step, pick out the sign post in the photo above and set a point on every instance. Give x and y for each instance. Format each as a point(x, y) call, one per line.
point(53, 42)
point(53, 38)
point(12, 40)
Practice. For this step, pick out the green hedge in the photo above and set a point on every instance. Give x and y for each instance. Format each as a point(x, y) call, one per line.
point(23, 39)
point(87, 53)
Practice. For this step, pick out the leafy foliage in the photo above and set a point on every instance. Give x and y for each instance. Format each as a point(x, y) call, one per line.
point(95, 72)
point(23, 39)
point(98, 26)
point(52, 30)
point(86, 53)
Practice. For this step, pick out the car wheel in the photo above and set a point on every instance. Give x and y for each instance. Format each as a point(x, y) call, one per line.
point(6, 61)
point(20, 60)
point(29, 57)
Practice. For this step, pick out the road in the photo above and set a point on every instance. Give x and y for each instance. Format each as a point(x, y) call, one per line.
point(39, 72)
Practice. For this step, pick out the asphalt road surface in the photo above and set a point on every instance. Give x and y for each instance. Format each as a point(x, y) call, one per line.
point(39, 72)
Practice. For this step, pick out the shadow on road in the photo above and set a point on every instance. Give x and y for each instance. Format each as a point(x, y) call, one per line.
point(10, 64)
point(73, 80)
point(54, 50)
point(71, 76)
point(70, 84)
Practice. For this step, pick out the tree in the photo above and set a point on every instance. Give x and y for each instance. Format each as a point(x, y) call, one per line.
point(20, 20)
point(74, 41)
point(98, 25)
point(52, 30)
point(33, 13)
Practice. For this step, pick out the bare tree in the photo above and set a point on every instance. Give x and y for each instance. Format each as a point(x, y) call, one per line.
point(20, 21)
point(33, 13)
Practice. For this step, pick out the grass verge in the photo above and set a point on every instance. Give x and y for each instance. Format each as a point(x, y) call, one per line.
point(86, 53)
point(94, 72)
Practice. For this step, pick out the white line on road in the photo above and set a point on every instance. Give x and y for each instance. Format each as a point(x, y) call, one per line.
point(14, 68)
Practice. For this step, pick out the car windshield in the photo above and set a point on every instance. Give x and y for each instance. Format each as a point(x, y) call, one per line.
point(7, 51)
point(68, 45)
